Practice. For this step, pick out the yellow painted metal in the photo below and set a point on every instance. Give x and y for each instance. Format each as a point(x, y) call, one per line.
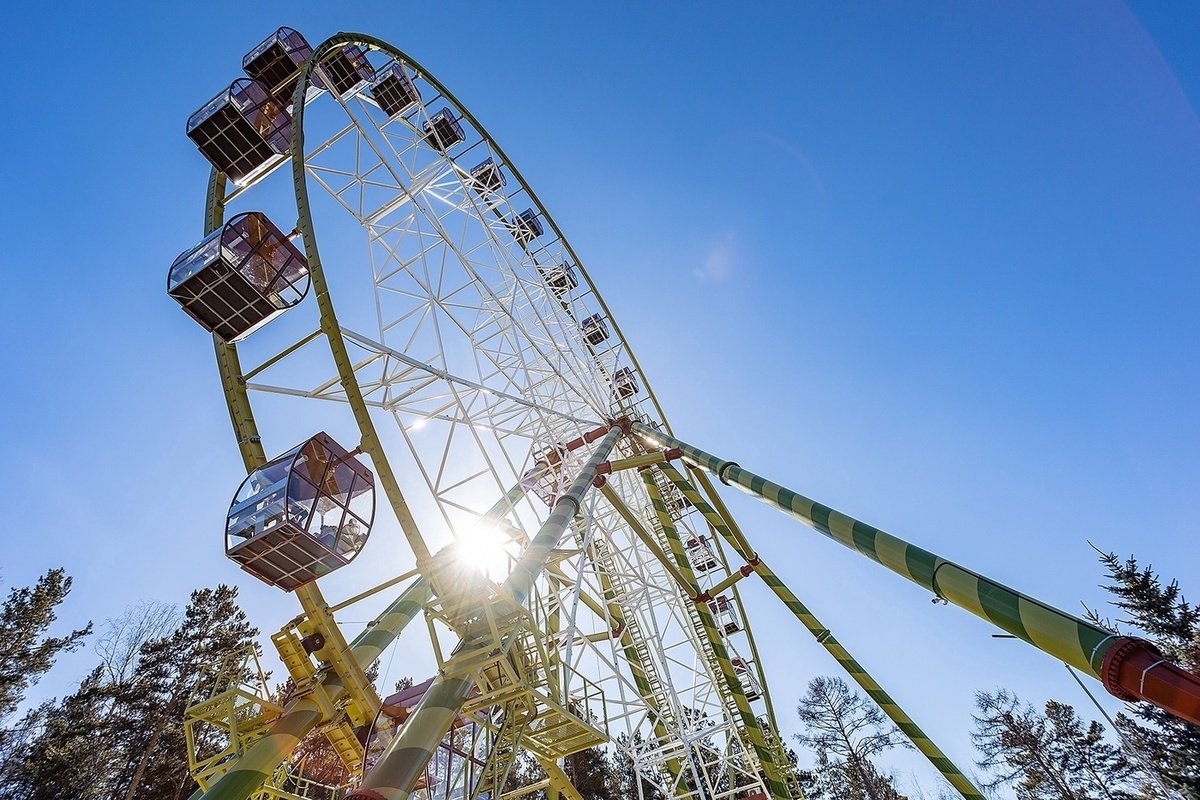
point(536, 786)
point(733, 577)
point(370, 443)
point(732, 690)
point(401, 578)
point(362, 702)
point(641, 664)
point(636, 462)
point(559, 781)
point(225, 704)
point(687, 584)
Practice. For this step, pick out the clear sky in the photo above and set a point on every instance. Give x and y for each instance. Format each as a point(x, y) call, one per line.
point(932, 264)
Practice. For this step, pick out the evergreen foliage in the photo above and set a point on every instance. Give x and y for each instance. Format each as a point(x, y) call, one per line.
point(1168, 744)
point(26, 652)
point(624, 782)
point(120, 735)
point(1049, 756)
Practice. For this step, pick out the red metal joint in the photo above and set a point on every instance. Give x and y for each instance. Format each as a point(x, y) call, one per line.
point(746, 569)
point(593, 435)
point(703, 597)
point(599, 481)
point(673, 453)
point(625, 424)
point(618, 631)
point(1134, 669)
point(604, 468)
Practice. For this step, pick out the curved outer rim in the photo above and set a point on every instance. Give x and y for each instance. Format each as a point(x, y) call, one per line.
point(237, 396)
point(383, 47)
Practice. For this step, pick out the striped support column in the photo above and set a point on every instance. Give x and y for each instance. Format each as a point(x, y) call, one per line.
point(775, 784)
point(726, 527)
point(408, 754)
point(303, 714)
point(1077, 642)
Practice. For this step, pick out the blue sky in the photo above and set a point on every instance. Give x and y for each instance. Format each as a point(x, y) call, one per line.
point(934, 265)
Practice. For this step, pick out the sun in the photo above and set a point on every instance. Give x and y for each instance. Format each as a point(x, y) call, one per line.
point(483, 546)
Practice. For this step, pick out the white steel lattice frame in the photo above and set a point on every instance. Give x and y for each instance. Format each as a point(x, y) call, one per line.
point(482, 364)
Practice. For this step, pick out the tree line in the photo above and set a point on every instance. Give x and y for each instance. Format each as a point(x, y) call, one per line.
point(120, 736)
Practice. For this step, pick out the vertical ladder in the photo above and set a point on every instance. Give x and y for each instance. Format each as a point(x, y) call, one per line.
point(710, 657)
point(630, 600)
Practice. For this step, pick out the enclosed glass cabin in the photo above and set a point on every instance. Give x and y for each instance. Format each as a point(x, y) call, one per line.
point(624, 384)
point(393, 90)
point(442, 130)
point(240, 277)
point(276, 62)
point(561, 279)
point(301, 515)
point(526, 227)
point(487, 178)
point(345, 69)
point(725, 615)
point(699, 555)
point(595, 329)
point(242, 130)
point(745, 675)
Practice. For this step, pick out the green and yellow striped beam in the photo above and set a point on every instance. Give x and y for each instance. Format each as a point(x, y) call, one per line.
point(406, 757)
point(1077, 642)
point(728, 529)
point(770, 771)
point(303, 714)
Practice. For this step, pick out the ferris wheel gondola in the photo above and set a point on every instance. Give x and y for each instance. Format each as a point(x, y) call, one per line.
point(523, 456)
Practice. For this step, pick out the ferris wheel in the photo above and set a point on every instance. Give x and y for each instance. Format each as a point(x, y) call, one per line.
point(473, 400)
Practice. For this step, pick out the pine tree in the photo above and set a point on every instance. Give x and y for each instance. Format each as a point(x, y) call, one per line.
point(70, 755)
point(1051, 755)
point(589, 773)
point(624, 782)
point(846, 732)
point(214, 629)
point(26, 653)
point(1170, 745)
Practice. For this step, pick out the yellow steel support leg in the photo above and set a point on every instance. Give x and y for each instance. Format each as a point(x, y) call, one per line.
point(775, 784)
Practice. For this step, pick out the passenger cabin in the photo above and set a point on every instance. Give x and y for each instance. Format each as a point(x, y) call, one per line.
point(595, 330)
point(487, 178)
point(545, 476)
point(745, 675)
point(276, 62)
point(561, 279)
point(442, 130)
point(242, 130)
point(724, 614)
point(699, 555)
point(301, 515)
point(240, 277)
point(393, 90)
point(526, 227)
point(624, 384)
point(345, 69)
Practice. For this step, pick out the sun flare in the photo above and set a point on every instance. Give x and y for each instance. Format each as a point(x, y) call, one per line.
point(483, 547)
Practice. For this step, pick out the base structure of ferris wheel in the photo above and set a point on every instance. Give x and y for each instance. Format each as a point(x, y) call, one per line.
point(479, 391)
